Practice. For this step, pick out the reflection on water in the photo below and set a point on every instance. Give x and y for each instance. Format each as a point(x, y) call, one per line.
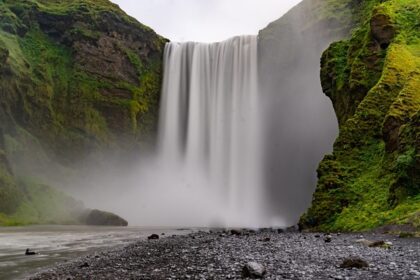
point(57, 244)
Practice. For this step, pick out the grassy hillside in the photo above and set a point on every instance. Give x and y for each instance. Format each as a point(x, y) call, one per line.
point(77, 78)
point(373, 79)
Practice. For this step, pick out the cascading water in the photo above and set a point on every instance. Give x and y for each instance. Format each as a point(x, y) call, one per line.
point(243, 127)
point(209, 131)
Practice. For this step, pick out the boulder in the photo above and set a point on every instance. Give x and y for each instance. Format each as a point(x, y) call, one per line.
point(375, 244)
point(253, 270)
point(101, 218)
point(354, 263)
point(153, 237)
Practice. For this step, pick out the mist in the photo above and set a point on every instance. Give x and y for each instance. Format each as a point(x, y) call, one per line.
point(300, 122)
point(243, 126)
point(296, 129)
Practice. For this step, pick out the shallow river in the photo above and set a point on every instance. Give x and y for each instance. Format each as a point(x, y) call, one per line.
point(59, 243)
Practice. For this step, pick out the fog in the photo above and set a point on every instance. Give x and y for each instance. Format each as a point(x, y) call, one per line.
point(300, 122)
point(297, 128)
point(263, 142)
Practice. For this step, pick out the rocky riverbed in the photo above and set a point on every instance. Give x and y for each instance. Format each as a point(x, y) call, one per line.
point(224, 255)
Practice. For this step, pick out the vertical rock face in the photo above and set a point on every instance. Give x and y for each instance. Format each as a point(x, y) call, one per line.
point(300, 120)
point(78, 79)
point(82, 74)
point(372, 178)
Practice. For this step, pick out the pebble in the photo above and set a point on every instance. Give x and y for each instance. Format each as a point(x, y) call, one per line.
point(328, 239)
point(286, 256)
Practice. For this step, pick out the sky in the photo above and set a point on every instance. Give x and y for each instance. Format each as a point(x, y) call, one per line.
point(205, 20)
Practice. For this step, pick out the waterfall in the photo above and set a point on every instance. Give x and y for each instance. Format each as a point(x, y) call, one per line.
point(210, 128)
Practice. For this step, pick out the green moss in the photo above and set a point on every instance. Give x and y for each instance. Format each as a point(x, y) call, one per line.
point(52, 97)
point(42, 205)
point(10, 197)
point(135, 61)
point(374, 89)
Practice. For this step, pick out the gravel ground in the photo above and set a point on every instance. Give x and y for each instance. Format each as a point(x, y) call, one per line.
point(222, 255)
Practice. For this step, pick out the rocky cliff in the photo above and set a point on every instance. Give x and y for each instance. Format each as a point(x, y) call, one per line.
point(373, 79)
point(301, 122)
point(369, 54)
point(77, 79)
point(81, 79)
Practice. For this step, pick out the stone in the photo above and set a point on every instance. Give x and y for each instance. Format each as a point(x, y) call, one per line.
point(375, 244)
point(153, 237)
point(101, 218)
point(28, 252)
point(328, 239)
point(294, 228)
point(414, 272)
point(364, 242)
point(354, 263)
point(253, 270)
point(236, 232)
point(85, 265)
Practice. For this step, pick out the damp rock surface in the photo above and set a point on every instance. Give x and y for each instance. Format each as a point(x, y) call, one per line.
point(220, 256)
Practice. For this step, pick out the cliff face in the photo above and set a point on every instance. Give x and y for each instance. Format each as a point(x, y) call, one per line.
point(370, 72)
point(373, 79)
point(301, 123)
point(77, 78)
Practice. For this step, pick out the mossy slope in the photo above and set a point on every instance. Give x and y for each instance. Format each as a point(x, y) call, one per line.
point(373, 177)
point(77, 78)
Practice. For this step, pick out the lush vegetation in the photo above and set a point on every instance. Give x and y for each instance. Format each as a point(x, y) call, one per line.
point(77, 78)
point(41, 204)
point(81, 77)
point(373, 177)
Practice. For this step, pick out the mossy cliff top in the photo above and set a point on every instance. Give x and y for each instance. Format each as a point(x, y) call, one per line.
point(373, 79)
point(77, 79)
point(78, 75)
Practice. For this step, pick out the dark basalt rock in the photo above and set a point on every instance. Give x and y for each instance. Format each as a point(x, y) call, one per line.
point(28, 252)
point(101, 218)
point(354, 263)
point(236, 232)
point(153, 237)
point(85, 265)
